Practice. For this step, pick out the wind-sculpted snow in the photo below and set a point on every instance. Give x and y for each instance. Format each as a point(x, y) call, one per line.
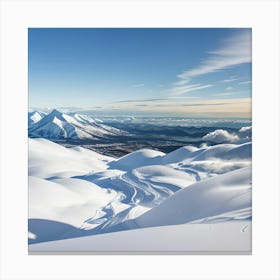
point(148, 185)
point(215, 196)
point(77, 192)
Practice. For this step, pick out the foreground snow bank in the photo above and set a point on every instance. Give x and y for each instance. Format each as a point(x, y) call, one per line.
point(228, 237)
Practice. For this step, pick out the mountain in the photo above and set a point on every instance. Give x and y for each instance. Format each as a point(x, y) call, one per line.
point(34, 117)
point(57, 125)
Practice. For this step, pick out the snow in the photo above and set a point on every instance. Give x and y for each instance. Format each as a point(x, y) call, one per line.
point(34, 117)
point(221, 194)
point(189, 199)
point(179, 154)
point(228, 237)
point(70, 201)
point(147, 185)
point(57, 125)
point(226, 152)
point(50, 160)
point(139, 158)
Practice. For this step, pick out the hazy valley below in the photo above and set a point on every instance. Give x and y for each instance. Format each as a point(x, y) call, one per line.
point(158, 133)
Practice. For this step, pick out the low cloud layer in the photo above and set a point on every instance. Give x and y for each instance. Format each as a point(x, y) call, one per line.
point(218, 166)
point(223, 136)
point(245, 132)
point(231, 107)
point(220, 136)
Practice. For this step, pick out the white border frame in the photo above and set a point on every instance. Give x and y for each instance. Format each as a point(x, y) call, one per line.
point(262, 16)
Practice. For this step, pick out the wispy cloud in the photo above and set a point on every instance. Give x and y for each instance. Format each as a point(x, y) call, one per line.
point(182, 82)
point(229, 80)
point(141, 100)
point(243, 83)
point(229, 88)
point(234, 51)
point(223, 94)
point(179, 90)
point(183, 97)
point(204, 104)
point(138, 85)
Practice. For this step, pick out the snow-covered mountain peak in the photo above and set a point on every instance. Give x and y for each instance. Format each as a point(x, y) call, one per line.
point(58, 125)
point(34, 117)
point(52, 115)
point(55, 112)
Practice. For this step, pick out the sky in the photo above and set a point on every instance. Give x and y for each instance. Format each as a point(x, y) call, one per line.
point(195, 72)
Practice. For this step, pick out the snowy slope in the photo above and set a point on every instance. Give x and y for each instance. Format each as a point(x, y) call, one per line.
point(57, 125)
point(226, 152)
point(59, 200)
point(50, 160)
point(220, 151)
point(180, 154)
point(75, 192)
point(225, 238)
point(206, 162)
point(215, 196)
point(138, 158)
point(148, 185)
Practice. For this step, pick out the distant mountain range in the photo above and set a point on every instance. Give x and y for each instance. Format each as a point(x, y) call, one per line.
point(58, 125)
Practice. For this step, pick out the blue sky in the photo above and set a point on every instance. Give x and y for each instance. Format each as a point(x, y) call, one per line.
point(187, 71)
